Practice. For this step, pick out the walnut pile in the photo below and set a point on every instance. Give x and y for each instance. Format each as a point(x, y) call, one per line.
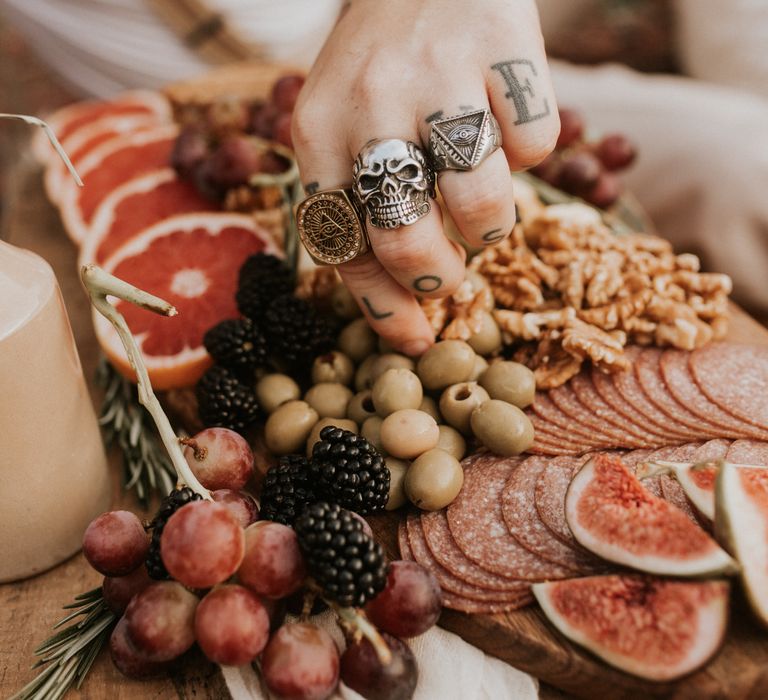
point(567, 289)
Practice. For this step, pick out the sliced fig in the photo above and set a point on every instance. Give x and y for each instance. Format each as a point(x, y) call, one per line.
point(741, 523)
point(697, 480)
point(654, 628)
point(612, 515)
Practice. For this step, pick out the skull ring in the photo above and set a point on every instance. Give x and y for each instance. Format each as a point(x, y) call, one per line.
point(393, 182)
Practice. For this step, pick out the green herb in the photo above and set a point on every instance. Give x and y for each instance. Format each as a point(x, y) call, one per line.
point(126, 422)
point(67, 656)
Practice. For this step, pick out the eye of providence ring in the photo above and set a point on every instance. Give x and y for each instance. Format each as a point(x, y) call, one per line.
point(464, 141)
point(393, 182)
point(331, 227)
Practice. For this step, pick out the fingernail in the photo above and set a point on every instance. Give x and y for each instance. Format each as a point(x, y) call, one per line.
point(416, 347)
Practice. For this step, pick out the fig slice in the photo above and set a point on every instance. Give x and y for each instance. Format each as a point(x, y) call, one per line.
point(654, 628)
point(741, 524)
point(611, 514)
point(697, 480)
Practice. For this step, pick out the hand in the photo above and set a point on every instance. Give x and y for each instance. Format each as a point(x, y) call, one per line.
point(387, 70)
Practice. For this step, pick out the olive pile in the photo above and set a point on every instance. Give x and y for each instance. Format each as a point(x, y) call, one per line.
point(419, 414)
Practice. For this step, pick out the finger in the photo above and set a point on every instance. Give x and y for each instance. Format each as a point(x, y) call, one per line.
point(480, 201)
point(417, 255)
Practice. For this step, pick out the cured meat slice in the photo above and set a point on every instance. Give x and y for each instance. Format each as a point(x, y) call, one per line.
point(648, 372)
point(518, 501)
point(553, 443)
point(735, 377)
point(643, 412)
point(748, 452)
point(477, 524)
point(447, 553)
point(447, 581)
point(559, 422)
point(670, 487)
point(679, 381)
point(566, 400)
point(549, 495)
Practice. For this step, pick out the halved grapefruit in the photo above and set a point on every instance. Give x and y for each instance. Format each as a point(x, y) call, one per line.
point(66, 120)
point(112, 163)
point(84, 140)
point(134, 206)
point(191, 261)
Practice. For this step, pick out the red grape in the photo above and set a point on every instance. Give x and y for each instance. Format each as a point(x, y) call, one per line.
point(281, 129)
point(202, 544)
point(273, 163)
point(115, 543)
point(409, 604)
point(189, 150)
point(127, 659)
point(605, 191)
point(549, 169)
point(241, 503)
point(273, 565)
point(615, 151)
point(571, 127)
point(579, 172)
point(362, 671)
point(118, 590)
point(220, 458)
point(231, 625)
point(301, 662)
point(263, 120)
point(234, 161)
point(227, 114)
point(285, 92)
point(161, 620)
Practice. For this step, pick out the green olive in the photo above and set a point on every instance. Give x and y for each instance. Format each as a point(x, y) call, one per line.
point(361, 407)
point(334, 366)
point(314, 435)
point(458, 401)
point(408, 432)
point(288, 427)
point(429, 405)
point(343, 303)
point(357, 340)
point(329, 399)
point(510, 382)
point(363, 379)
point(396, 389)
point(397, 471)
point(371, 431)
point(445, 363)
point(502, 427)
point(391, 360)
point(452, 441)
point(487, 339)
point(433, 480)
point(273, 390)
point(481, 364)
point(385, 346)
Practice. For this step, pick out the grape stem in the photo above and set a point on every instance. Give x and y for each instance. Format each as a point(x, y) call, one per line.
point(199, 453)
point(99, 284)
point(357, 620)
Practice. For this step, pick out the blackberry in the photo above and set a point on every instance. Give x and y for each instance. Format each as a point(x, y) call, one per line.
point(348, 470)
point(286, 490)
point(295, 332)
point(262, 279)
point(238, 345)
point(168, 506)
point(223, 400)
point(346, 563)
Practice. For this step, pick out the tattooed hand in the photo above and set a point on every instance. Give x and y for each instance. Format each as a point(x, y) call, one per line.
point(389, 69)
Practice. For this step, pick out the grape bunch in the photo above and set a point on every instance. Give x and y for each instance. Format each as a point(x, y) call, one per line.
point(228, 579)
point(586, 168)
point(223, 147)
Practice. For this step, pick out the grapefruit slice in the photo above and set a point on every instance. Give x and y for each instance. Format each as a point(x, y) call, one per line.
point(135, 205)
point(611, 514)
point(68, 119)
point(741, 523)
point(191, 261)
point(83, 140)
point(112, 163)
point(652, 628)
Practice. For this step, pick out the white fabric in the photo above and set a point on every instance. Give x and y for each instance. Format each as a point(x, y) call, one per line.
point(449, 669)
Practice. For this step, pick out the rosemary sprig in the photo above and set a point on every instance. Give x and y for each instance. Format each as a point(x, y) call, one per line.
point(125, 421)
point(67, 656)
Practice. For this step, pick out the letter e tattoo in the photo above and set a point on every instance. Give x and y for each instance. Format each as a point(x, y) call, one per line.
point(520, 90)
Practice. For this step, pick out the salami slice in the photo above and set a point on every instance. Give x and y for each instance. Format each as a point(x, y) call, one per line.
point(735, 377)
point(552, 443)
point(648, 373)
point(679, 381)
point(518, 501)
point(715, 449)
point(670, 488)
point(748, 452)
point(549, 495)
point(447, 553)
point(477, 524)
point(466, 605)
point(557, 421)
